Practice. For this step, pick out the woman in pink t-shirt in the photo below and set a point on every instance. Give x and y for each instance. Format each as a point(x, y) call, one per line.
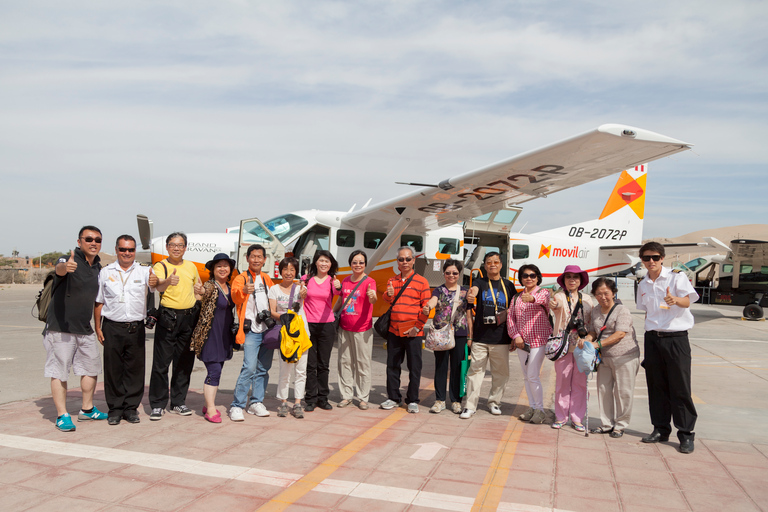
point(358, 295)
point(321, 285)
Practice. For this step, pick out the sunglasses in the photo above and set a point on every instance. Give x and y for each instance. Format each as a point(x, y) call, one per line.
point(451, 273)
point(654, 257)
point(90, 239)
point(401, 260)
point(126, 249)
point(528, 276)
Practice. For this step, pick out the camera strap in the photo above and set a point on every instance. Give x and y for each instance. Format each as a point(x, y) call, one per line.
point(493, 295)
point(574, 311)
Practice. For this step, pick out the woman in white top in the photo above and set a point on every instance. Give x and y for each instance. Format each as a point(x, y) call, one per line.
point(573, 313)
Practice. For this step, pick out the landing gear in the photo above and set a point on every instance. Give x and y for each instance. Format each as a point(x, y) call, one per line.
point(753, 312)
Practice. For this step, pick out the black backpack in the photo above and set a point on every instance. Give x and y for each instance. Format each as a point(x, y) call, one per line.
point(44, 297)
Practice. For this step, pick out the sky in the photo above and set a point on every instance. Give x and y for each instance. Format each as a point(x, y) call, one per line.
point(201, 113)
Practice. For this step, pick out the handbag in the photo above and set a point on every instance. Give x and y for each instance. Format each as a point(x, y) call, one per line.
point(337, 314)
point(464, 368)
point(382, 323)
point(444, 338)
point(271, 338)
point(557, 344)
point(588, 359)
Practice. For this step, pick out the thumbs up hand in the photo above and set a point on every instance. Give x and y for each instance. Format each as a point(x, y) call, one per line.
point(198, 286)
point(303, 289)
point(390, 289)
point(336, 284)
point(669, 299)
point(174, 279)
point(152, 279)
point(71, 263)
point(371, 294)
point(527, 297)
point(249, 288)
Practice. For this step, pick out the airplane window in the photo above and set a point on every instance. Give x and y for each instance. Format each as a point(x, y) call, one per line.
point(285, 226)
point(483, 218)
point(519, 252)
point(345, 238)
point(745, 269)
point(414, 241)
point(254, 233)
point(506, 216)
point(448, 245)
point(695, 263)
point(372, 239)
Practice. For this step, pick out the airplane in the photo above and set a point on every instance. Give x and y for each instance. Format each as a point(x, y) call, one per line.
point(739, 278)
point(482, 205)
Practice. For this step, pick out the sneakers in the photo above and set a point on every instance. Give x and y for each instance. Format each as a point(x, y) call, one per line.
point(438, 407)
point(64, 423)
point(495, 410)
point(282, 411)
point(236, 414)
point(95, 414)
point(389, 404)
point(182, 410)
point(538, 417)
point(456, 408)
point(466, 414)
point(258, 409)
point(156, 414)
point(413, 408)
point(527, 415)
point(297, 412)
point(344, 403)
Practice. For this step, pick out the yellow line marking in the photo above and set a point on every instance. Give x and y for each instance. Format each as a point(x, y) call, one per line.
point(330, 465)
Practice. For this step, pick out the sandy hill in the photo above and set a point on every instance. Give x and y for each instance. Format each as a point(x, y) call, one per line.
point(725, 235)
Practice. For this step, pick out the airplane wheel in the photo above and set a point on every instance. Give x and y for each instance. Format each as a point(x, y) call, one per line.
point(753, 312)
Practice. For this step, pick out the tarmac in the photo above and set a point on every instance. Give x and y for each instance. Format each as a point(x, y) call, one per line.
point(376, 460)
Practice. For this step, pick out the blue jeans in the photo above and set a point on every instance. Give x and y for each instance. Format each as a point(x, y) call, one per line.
point(255, 371)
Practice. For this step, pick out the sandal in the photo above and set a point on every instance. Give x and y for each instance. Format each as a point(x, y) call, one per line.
point(617, 434)
point(559, 424)
point(601, 430)
point(579, 427)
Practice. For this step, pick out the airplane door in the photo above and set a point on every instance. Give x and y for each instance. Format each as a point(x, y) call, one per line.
point(252, 231)
point(488, 233)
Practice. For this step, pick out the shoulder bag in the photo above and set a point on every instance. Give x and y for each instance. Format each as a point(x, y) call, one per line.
point(271, 339)
point(382, 323)
point(444, 338)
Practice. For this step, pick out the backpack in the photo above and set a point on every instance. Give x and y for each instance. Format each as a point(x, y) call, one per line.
point(44, 297)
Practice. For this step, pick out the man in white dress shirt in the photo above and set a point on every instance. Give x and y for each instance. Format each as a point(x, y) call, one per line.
point(666, 296)
point(121, 306)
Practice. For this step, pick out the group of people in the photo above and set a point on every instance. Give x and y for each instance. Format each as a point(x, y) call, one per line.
point(488, 320)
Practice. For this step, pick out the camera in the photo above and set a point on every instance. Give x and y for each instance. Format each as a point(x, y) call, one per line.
point(234, 328)
point(266, 318)
point(578, 324)
point(247, 325)
point(151, 319)
point(489, 320)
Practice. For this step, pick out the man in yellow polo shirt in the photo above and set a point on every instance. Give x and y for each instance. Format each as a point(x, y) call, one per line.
point(179, 283)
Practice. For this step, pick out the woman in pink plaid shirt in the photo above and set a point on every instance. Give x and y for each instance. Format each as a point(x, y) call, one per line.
point(528, 326)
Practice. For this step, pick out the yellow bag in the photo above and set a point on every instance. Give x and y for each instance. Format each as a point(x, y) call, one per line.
point(294, 340)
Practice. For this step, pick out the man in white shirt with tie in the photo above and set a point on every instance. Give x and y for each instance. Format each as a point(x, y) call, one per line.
point(121, 306)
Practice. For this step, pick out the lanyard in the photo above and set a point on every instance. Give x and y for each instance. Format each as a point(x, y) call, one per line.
point(493, 296)
point(123, 281)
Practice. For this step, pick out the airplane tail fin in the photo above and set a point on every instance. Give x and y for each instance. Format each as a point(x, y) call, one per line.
point(621, 221)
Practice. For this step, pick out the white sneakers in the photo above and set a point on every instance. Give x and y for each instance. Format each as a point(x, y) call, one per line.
point(258, 409)
point(466, 414)
point(495, 410)
point(236, 414)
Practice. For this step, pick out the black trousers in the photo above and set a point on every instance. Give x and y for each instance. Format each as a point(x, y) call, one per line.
point(445, 359)
point(124, 346)
point(398, 348)
point(668, 375)
point(172, 347)
point(323, 336)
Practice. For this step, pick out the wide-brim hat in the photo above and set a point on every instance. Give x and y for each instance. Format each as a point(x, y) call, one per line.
point(573, 269)
point(218, 257)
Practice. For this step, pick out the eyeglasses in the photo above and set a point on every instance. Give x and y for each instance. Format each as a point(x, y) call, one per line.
point(654, 257)
point(90, 239)
point(176, 246)
point(357, 263)
point(401, 260)
point(451, 273)
point(126, 249)
point(528, 276)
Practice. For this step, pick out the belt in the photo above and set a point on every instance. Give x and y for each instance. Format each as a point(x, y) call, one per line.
point(179, 311)
point(123, 324)
point(669, 334)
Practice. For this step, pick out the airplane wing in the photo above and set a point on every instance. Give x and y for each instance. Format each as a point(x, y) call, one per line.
point(609, 149)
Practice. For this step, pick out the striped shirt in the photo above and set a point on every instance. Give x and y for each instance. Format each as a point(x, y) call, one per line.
point(529, 321)
point(407, 311)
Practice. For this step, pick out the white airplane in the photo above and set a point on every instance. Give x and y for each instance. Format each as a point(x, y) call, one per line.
point(479, 205)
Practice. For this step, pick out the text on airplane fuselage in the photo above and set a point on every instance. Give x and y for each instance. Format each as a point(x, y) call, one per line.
point(563, 252)
point(491, 190)
point(600, 233)
point(203, 247)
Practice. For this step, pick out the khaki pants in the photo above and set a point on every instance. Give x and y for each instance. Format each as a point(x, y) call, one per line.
point(616, 390)
point(499, 359)
point(355, 351)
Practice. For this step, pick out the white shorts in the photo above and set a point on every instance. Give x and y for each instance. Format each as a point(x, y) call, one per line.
point(77, 351)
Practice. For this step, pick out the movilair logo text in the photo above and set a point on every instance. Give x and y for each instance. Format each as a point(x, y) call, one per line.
point(561, 252)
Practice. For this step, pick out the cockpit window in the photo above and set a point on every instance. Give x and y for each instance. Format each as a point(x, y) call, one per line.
point(285, 226)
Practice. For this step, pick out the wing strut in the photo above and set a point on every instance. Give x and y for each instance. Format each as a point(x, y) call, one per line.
point(386, 244)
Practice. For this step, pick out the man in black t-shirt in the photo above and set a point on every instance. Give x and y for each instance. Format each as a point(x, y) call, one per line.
point(68, 338)
point(490, 340)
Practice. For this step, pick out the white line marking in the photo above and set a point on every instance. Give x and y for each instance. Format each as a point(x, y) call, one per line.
point(427, 451)
point(722, 339)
